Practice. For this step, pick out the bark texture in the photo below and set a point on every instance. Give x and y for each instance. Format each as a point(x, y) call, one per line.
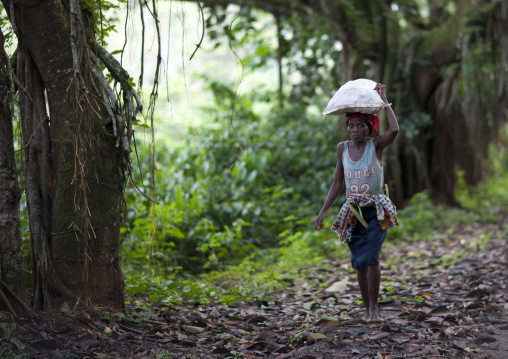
point(74, 180)
point(13, 268)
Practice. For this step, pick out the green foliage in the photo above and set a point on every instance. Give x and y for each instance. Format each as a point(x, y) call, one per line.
point(307, 45)
point(9, 37)
point(415, 123)
point(194, 290)
point(163, 354)
point(489, 198)
point(237, 207)
point(236, 213)
point(419, 299)
point(9, 343)
point(234, 355)
point(237, 191)
point(421, 218)
point(237, 204)
point(103, 19)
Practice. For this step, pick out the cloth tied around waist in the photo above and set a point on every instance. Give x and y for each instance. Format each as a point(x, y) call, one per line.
point(349, 214)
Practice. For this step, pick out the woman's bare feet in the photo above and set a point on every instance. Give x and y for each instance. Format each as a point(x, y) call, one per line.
point(374, 320)
point(366, 316)
point(373, 316)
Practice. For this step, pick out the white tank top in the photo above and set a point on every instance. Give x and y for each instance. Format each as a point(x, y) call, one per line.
point(364, 176)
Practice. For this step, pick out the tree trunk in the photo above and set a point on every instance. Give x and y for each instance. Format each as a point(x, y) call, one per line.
point(13, 268)
point(74, 178)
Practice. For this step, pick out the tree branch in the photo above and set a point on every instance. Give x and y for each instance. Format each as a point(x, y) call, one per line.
point(117, 71)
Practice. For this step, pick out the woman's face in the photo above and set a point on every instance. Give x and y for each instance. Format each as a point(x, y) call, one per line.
point(358, 129)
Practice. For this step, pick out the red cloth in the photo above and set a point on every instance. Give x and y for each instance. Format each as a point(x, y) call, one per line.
point(373, 120)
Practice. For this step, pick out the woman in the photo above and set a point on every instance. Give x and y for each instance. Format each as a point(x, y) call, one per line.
point(367, 213)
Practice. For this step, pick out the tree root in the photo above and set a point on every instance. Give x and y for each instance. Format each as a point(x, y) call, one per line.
point(4, 298)
point(8, 305)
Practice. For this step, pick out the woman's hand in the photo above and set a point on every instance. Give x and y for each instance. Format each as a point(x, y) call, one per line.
point(381, 89)
point(389, 136)
point(318, 222)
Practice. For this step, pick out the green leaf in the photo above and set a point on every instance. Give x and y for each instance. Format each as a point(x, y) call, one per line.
point(18, 343)
point(176, 232)
point(179, 196)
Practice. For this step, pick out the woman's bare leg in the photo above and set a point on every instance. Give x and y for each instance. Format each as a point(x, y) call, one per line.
point(363, 282)
point(374, 281)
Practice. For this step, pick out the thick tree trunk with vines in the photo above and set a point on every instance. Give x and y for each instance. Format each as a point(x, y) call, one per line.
point(74, 182)
point(13, 268)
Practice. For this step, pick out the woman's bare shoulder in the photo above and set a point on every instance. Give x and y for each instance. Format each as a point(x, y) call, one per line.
point(340, 148)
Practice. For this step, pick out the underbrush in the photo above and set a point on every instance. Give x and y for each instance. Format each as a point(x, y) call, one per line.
point(489, 198)
point(236, 223)
point(421, 219)
point(267, 271)
point(234, 194)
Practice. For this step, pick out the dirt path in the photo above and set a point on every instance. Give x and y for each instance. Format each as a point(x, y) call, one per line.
point(445, 298)
point(501, 344)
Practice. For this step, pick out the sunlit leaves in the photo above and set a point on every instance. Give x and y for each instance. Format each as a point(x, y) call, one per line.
point(104, 22)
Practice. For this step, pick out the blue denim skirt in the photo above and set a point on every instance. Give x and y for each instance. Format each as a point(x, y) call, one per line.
point(365, 244)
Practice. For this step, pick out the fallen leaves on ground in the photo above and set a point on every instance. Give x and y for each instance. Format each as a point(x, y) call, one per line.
point(428, 310)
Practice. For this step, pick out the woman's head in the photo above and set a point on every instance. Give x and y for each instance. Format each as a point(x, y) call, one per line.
point(371, 121)
point(358, 129)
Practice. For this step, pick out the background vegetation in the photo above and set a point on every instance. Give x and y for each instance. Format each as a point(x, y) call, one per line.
point(246, 165)
point(240, 178)
point(232, 233)
point(237, 203)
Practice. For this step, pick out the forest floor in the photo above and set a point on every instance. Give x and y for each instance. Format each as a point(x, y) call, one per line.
point(441, 298)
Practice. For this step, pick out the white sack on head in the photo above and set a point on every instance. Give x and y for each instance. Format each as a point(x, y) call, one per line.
point(355, 96)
